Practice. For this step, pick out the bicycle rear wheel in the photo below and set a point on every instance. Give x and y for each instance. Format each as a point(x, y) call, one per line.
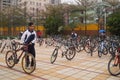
point(87, 49)
point(10, 59)
point(70, 54)
point(105, 50)
point(114, 69)
point(28, 63)
point(54, 56)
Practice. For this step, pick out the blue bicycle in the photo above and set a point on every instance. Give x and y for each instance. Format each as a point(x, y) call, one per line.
point(102, 49)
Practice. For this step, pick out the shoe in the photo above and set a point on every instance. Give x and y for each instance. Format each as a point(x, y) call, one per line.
point(26, 66)
point(115, 65)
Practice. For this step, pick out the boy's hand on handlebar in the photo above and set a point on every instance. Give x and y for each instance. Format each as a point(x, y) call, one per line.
point(30, 43)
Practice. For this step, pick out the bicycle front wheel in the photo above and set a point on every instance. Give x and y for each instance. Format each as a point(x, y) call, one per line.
point(10, 59)
point(28, 63)
point(54, 56)
point(114, 69)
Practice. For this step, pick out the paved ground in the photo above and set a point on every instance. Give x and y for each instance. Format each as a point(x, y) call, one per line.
point(82, 67)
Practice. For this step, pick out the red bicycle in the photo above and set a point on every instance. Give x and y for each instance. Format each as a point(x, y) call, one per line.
point(114, 63)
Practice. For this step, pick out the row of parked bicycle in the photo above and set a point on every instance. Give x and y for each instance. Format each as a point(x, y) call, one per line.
point(88, 44)
point(69, 47)
point(66, 47)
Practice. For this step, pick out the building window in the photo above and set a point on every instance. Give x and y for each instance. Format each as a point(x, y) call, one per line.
point(40, 4)
point(33, 3)
point(30, 3)
point(52, 1)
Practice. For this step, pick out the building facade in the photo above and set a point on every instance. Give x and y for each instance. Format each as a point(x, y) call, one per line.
point(7, 3)
point(56, 2)
point(31, 6)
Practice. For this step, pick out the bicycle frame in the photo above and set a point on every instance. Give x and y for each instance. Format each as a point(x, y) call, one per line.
point(18, 58)
point(117, 58)
point(59, 48)
point(20, 54)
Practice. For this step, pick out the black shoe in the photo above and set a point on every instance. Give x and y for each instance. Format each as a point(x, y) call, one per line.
point(115, 65)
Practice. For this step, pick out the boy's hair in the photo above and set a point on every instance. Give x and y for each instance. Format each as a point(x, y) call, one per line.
point(30, 24)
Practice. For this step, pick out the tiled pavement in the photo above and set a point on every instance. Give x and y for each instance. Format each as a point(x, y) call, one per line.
point(82, 67)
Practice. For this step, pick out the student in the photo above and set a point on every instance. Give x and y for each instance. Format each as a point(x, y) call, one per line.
point(29, 37)
point(74, 35)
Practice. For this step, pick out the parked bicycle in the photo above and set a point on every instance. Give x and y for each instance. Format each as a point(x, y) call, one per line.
point(90, 46)
point(114, 63)
point(69, 52)
point(102, 49)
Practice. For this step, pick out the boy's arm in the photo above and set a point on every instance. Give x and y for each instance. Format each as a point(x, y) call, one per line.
point(23, 37)
point(34, 38)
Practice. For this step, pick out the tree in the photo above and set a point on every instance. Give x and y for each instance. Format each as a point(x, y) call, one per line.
point(86, 5)
point(12, 16)
point(113, 3)
point(75, 16)
point(113, 22)
point(54, 19)
point(102, 11)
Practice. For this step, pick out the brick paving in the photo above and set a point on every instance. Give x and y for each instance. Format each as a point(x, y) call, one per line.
point(82, 67)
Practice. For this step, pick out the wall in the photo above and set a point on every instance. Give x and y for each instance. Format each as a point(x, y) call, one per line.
point(92, 29)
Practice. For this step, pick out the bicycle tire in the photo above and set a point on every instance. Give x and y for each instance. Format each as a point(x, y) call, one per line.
point(95, 48)
point(3, 48)
point(91, 53)
point(54, 56)
point(105, 50)
point(99, 52)
point(111, 65)
point(0, 44)
point(31, 68)
point(87, 49)
point(79, 48)
point(70, 54)
point(10, 61)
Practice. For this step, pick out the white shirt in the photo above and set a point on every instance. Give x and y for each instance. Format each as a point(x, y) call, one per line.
point(28, 33)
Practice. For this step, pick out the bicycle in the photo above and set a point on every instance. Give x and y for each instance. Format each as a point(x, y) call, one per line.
point(28, 61)
point(89, 47)
point(9, 44)
point(69, 53)
point(102, 49)
point(40, 41)
point(114, 64)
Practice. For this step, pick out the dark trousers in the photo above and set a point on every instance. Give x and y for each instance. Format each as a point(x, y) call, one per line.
point(31, 50)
